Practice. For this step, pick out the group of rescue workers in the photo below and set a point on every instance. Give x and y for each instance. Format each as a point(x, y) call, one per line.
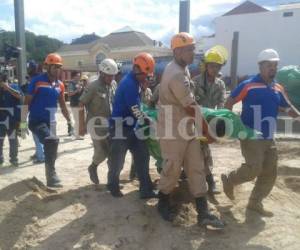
point(114, 117)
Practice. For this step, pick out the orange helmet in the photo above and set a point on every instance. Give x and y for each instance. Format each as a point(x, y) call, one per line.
point(146, 62)
point(53, 58)
point(181, 39)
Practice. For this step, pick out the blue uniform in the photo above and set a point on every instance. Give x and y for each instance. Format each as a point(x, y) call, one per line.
point(127, 96)
point(45, 97)
point(260, 103)
point(127, 99)
point(9, 102)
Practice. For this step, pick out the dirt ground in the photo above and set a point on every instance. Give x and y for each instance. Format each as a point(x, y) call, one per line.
point(80, 216)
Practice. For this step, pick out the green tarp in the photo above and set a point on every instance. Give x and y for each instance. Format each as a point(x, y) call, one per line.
point(234, 128)
point(289, 78)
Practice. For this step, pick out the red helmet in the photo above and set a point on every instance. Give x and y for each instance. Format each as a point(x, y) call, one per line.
point(53, 58)
point(146, 63)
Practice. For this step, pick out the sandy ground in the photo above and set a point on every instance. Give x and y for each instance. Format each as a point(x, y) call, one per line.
point(80, 216)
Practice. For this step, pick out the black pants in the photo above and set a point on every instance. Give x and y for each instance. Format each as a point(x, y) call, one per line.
point(9, 131)
point(139, 150)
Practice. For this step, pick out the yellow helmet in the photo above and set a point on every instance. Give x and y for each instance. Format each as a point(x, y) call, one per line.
point(217, 54)
point(213, 57)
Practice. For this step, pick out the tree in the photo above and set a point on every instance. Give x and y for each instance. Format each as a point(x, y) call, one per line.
point(37, 47)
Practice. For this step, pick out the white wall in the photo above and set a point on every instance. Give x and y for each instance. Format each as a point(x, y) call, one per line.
point(204, 44)
point(259, 31)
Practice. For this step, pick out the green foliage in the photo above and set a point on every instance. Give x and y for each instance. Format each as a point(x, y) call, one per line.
point(85, 39)
point(37, 47)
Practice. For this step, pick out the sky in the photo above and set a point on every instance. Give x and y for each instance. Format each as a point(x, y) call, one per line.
point(69, 19)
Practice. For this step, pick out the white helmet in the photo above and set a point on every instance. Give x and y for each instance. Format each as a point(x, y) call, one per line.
point(108, 66)
point(269, 55)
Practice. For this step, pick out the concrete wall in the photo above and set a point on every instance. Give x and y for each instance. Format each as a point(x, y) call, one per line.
point(259, 31)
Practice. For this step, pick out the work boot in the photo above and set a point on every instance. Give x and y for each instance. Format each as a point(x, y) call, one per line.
point(14, 163)
point(205, 218)
point(259, 208)
point(212, 189)
point(228, 187)
point(164, 207)
point(115, 191)
point(93, 173)
point(50, 149)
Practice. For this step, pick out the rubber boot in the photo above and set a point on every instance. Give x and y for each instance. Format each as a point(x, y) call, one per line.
point(50, 149)
point(164, 207)
point(212, 189)
point(92, 169)
point(205, 218)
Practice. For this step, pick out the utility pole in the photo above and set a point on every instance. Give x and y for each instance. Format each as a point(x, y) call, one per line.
point(20, 39)
point(184, 16)
point(234, 59)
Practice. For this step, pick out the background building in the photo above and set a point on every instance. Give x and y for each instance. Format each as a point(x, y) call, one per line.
point(260, 28)
point(121, 45)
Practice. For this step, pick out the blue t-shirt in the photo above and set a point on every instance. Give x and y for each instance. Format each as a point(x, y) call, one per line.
point(10, 105)
point(127, 97)
point(261, 104)
point(45, 96)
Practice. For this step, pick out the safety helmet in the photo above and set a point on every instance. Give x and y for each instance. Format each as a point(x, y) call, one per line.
point(217, 54)
point(146, 63)
point(53, 58)
point(212, 56)
point(269, 55)
point(84, 77)
point(182, 39)
point(108, 66)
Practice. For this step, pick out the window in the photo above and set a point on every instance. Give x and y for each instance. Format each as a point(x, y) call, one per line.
point(288, 14)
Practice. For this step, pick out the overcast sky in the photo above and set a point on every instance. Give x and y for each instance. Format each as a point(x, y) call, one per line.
point(69, 19)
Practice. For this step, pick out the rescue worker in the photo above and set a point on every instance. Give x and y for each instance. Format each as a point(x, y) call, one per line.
point(177, 104)
point(262, 98)
point(145, 95)
point(210, 92)
point(10, 99)
point(75, 89)
point(125, 114)
point(44, 92)
point(84, 80)
point(38, 156)
point(97, 99)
